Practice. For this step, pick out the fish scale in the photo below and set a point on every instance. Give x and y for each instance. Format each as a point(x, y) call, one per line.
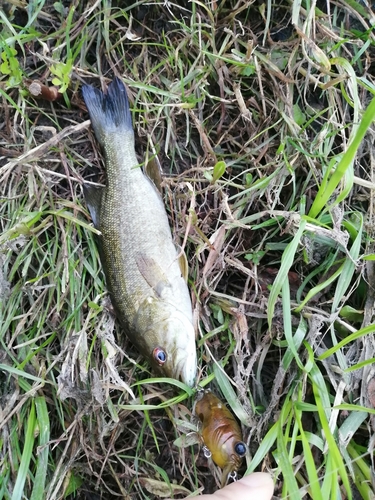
point(139, 258)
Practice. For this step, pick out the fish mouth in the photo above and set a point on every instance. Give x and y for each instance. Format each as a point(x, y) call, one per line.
point(185, 368)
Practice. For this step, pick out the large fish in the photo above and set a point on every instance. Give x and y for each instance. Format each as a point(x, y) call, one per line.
point(220, 433)
point(138, 255)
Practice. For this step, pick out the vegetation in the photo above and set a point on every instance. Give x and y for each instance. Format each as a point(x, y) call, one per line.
point(260, 117)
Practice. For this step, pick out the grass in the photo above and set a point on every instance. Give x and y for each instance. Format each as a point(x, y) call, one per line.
point(261, 118)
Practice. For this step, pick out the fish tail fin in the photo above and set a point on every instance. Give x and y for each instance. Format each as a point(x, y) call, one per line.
point(109, 112)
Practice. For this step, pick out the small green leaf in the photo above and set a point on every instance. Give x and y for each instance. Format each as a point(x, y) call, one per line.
point(299, 115)
point(74, 483)
point(56, 70)
point(208, 175)
point(95, 306)
point(56, 81)
point(4, 67)
point(248, 70)
point(255, 257)
point(219, 170)
point(58, 6)
point(248, 179)
point(351, 314)
point(280, 58)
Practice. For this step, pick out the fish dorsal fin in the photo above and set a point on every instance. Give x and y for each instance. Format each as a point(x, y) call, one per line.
point(93, 196)
point(152, 273)
point(183, 263)
point(152, 171)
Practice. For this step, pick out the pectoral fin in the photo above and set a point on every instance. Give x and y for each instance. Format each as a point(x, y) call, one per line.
point(152, 273)
point(93, 197)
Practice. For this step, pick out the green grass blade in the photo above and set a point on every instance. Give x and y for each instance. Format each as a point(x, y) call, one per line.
point(230, 396)
point(350, 338)
point(264, 448)
point(287, 319)
point(283, 453)
point(311, 469)
point(318, 288)
point(18, 492)
point(327, 188)
point(334, 452)
point(294, 341)
point(348, 268)
point(287, 261)
point(43, 425)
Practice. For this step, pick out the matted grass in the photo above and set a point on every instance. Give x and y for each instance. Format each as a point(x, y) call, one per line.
point(260, 117)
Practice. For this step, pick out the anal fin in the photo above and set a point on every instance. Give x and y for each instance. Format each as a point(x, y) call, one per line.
point(93, 196)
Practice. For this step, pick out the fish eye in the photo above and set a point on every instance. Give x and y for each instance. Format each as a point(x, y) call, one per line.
point(159, 355)
point(240, 448)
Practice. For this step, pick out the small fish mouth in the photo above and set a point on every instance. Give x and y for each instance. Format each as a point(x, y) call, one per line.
point(186, 368)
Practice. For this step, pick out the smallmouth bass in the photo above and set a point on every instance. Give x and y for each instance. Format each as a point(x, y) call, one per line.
point(139, 258)
point(221, 434)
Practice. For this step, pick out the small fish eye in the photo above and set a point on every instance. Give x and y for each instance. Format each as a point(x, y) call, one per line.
point(240, 448)
point(159, 355)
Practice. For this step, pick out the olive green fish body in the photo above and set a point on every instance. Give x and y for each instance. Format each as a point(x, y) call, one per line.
point(138, 255)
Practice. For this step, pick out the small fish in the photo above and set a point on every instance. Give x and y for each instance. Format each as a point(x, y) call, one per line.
point(221, 434)
point(138, 255)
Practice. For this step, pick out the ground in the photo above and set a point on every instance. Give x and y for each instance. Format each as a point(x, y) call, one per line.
point(255, 121)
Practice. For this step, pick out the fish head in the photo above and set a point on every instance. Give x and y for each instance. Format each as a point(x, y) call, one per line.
point(172, 348)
